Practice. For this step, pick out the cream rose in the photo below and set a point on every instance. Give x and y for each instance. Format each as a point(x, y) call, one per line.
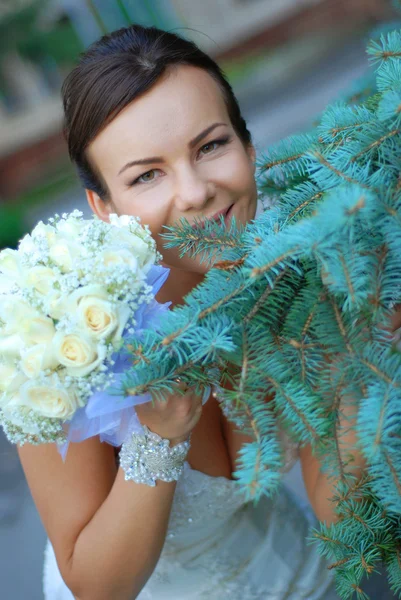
point(27, 245)
point(6, 284)
point(9, 263)
point(47, 231)
point(63, 253)
point(124, 313)
point(49, 399)
point(36, 359)
point(60, 305)
point(36, 330)
point(10, 378)
point(114, 256)
point(13, 309)
point(11, 345)
point(128, 232)
point(97, 316)
point(41, 278)
point(77, 353)
point(70, 227)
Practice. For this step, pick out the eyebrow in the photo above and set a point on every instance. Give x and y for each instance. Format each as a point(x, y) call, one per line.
point(160, 159)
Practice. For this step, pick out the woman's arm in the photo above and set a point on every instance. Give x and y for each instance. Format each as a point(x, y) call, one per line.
point(319, 486)
point(107, 533)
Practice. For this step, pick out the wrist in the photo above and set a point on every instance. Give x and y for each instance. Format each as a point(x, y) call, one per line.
point(146, 457)
point(179, 440)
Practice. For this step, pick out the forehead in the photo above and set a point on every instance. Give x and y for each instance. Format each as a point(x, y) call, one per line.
point(181, 104)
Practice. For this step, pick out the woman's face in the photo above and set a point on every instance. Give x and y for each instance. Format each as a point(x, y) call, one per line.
point(173, 153)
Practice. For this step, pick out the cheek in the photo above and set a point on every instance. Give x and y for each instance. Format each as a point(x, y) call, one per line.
point(236, 173)
point(151, 209)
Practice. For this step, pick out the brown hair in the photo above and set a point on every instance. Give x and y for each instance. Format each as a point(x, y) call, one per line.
point(117, 69)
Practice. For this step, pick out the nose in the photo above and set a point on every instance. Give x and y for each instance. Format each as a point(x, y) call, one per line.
point(192, 190)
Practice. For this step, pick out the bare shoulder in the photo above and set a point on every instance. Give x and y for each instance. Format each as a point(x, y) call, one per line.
point(68, 494)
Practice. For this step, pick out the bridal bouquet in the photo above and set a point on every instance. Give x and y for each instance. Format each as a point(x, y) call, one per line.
point(67, 296)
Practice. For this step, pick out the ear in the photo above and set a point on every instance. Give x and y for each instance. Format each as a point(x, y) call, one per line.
point(101, 208)
point(251, 152)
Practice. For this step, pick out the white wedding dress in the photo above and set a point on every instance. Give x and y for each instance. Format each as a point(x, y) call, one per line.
point(219, 546)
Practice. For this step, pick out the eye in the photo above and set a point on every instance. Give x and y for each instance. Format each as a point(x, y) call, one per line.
point(208, 148)
point(147, 177)
point(212, 146)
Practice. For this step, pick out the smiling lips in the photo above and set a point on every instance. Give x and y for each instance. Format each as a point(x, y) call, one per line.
point(216, 217)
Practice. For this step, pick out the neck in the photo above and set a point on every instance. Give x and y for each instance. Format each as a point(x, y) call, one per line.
point(178, 285)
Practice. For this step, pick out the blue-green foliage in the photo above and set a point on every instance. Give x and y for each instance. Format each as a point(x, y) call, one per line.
point(297, 310)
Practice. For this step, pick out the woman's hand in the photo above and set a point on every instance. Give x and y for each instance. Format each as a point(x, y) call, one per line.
point(173, 418)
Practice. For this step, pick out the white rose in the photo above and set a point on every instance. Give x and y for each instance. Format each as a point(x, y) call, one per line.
point(46, 231)
point(36, 359)
point(6, 284)
point(13, 309)
point(49, 399)
point(97, 316)
point(124, 313)
point(58, 305)
point(9, 263)
point(114, 256)
point(77, 353)
point(27, 245)
point(10, 378)
point(71, 227)
point(64, 253)
point(11, 346)
point(127, 231)
point(36, 330)
point(41, 278)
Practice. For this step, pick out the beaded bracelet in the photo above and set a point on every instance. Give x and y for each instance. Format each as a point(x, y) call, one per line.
point(146, 457)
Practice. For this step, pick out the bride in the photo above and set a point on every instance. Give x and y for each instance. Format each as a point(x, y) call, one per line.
point(155, 131)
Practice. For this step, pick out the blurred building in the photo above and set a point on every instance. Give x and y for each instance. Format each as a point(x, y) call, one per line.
point(40, 40)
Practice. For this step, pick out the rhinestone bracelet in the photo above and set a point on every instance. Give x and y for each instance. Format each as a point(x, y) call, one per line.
point(146, 457)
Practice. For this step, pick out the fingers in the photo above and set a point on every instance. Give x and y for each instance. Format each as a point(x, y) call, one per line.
point(180, 384)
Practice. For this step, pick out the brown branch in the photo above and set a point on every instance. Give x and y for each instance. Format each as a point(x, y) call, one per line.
point(357, 207)
point(335, 130)
point(325, 162)
point(300, 415)
point(304, 204)
point(229, 265)
point(282, 161)
point(341, 326)
point(144, 388)
point(264, 296)
point(375, 144)
point(352, 490)
point(347, 278)
point(308, 322)
point(393, 472)
point(224, 241)
point(379, 373)
point(355, 516)
point(204, 313)
point(379, 429)
point(258, 271)
point(325, 538)
point(386, 55)
point(339, 563)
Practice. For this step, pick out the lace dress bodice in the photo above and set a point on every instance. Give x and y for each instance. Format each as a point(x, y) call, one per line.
point(219, 546)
